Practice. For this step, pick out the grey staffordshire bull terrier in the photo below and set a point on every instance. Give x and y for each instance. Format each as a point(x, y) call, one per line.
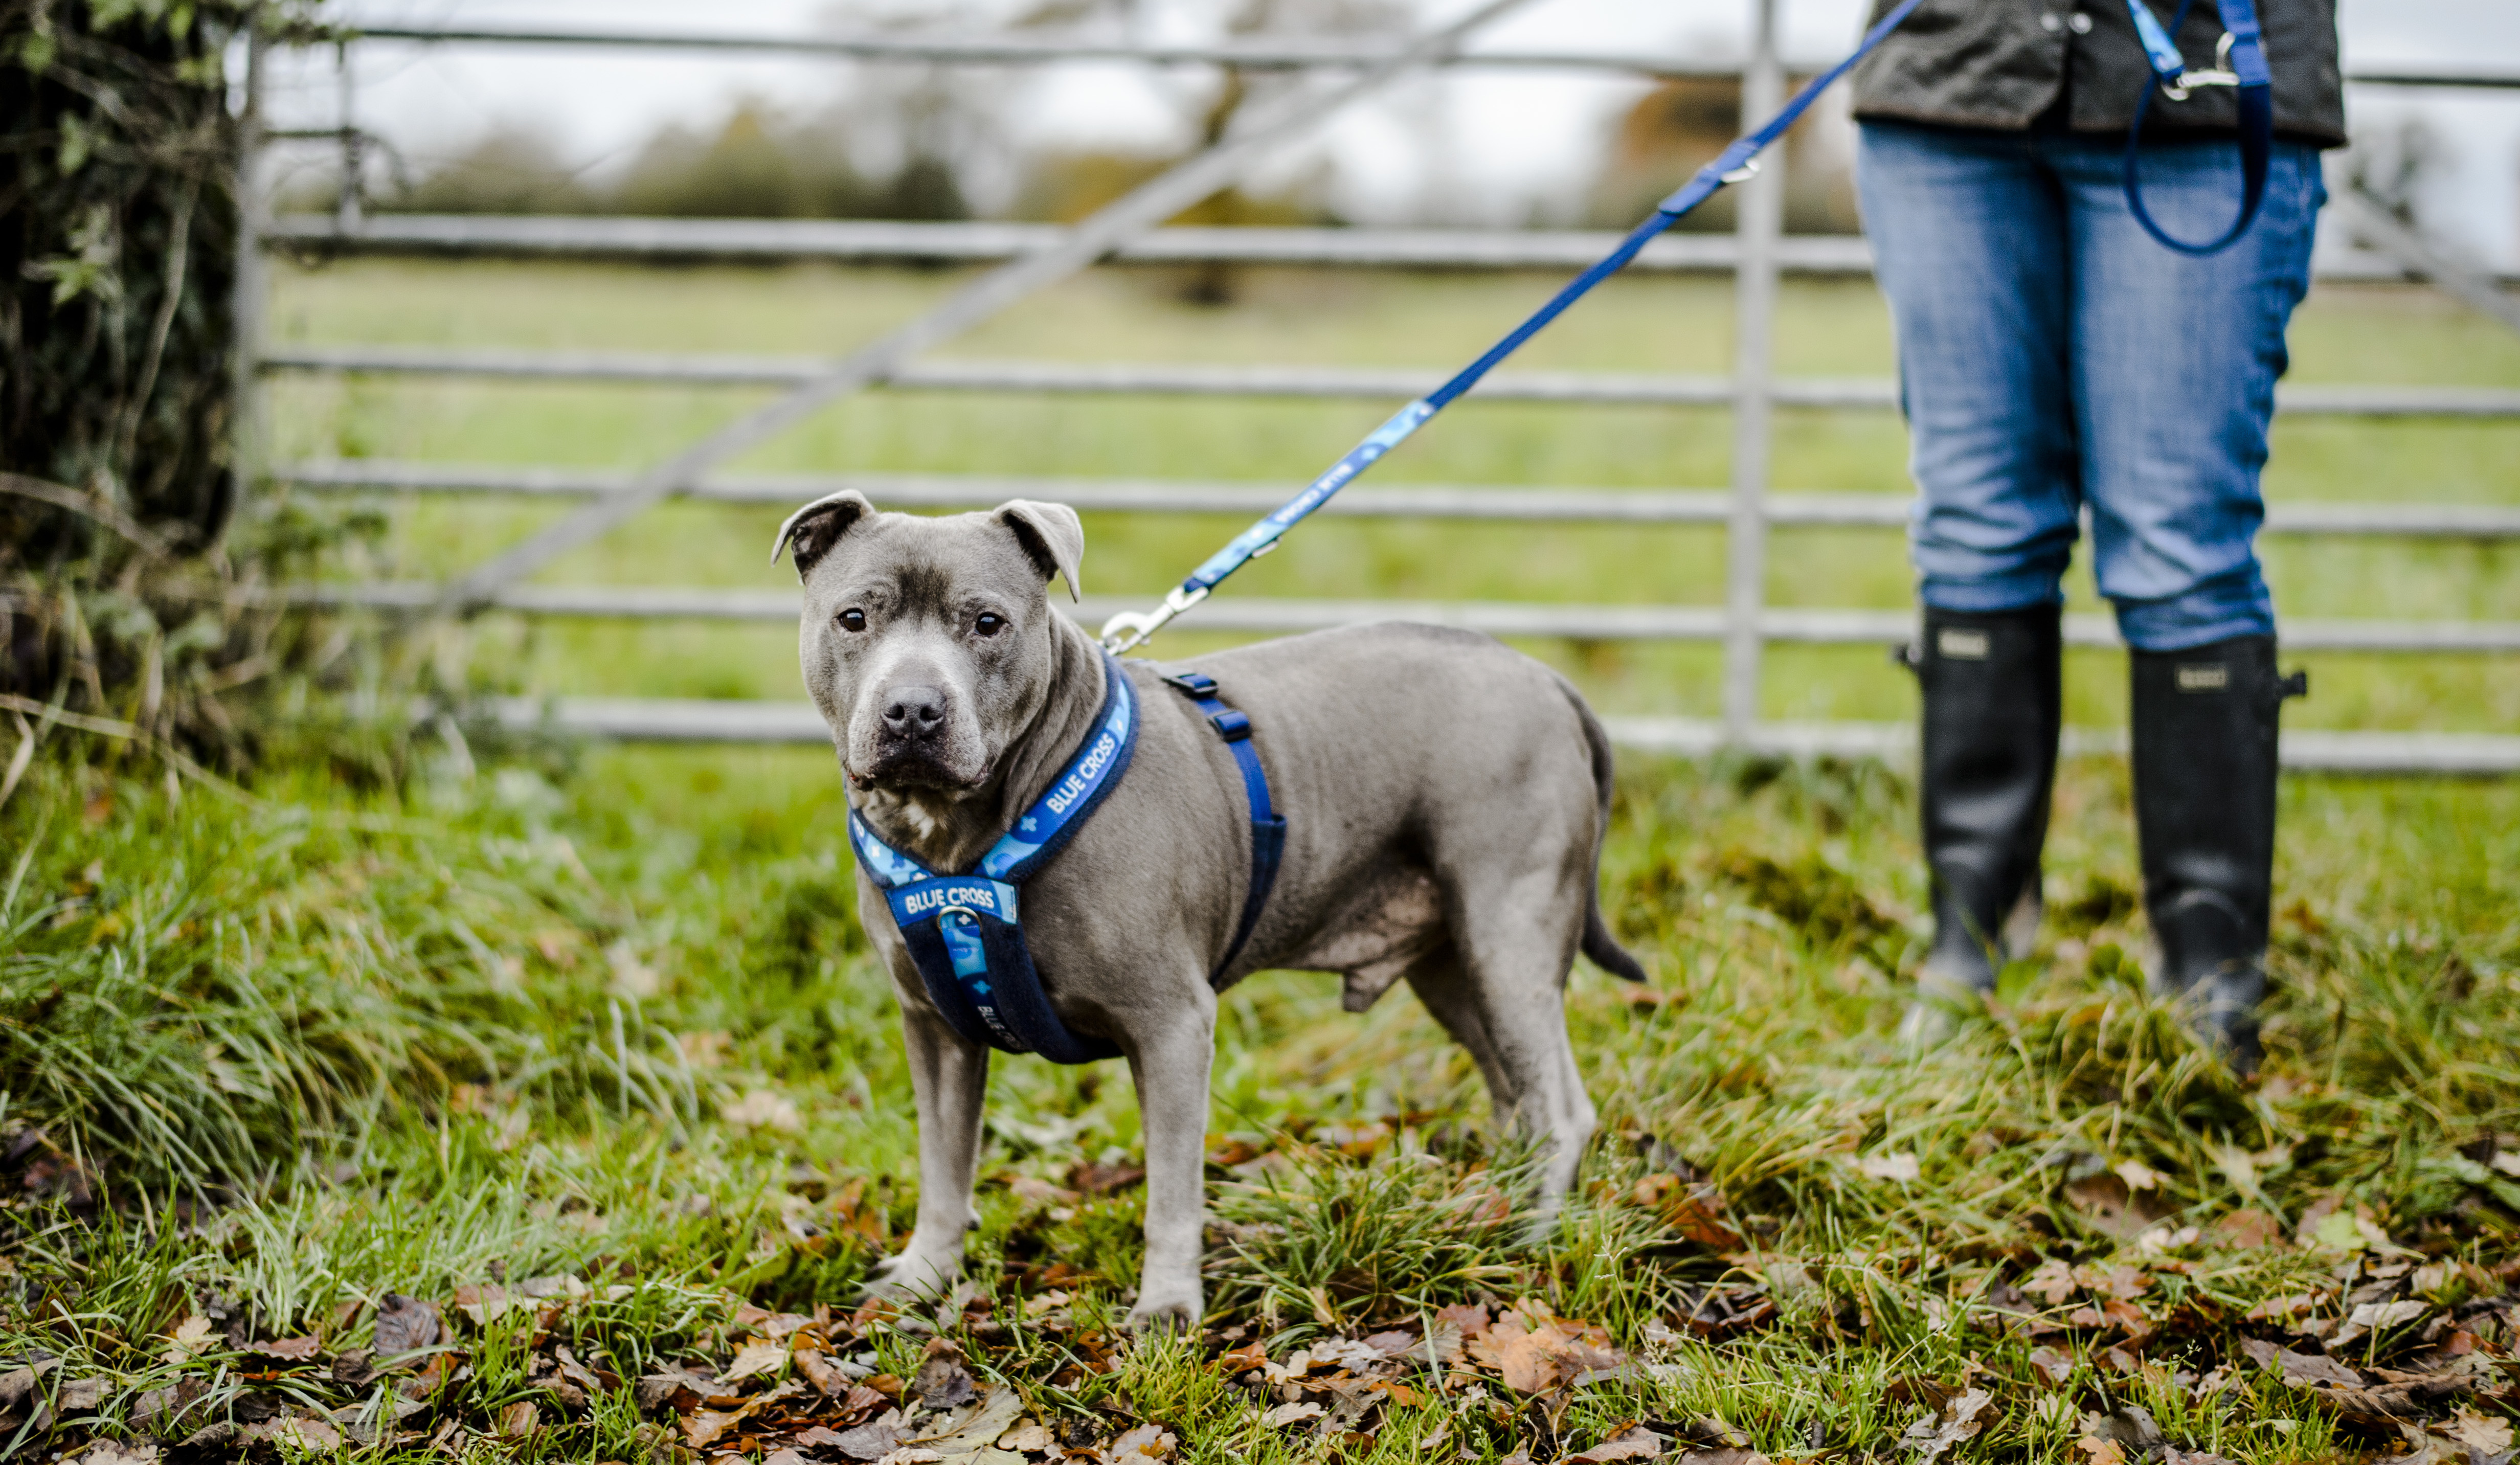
point(1445, 797)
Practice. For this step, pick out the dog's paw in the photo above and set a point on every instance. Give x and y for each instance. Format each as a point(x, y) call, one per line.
point(1167, 1311)
point(912, 1276)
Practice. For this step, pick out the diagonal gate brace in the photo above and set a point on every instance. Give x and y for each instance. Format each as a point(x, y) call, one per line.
point(1141, 209)
point(2371, 220)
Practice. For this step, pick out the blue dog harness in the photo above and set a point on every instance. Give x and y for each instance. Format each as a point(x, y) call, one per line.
point(2240, 63)
point(964, 932)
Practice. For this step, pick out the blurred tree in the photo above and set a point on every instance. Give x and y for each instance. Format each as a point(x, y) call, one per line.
point(514, 168)
point(1069, 185)
point(2398, 160)
point(1682, 124)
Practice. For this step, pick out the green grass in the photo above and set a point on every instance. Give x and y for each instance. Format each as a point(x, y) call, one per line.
point(1434, 322)
point(395, 1024)
point(611, 1018)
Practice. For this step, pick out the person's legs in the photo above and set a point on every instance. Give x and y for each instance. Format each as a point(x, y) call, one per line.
point(1969, 237)
point(2175, 365)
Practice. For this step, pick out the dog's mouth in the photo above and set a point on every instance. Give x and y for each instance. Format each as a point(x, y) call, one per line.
point(910, 767)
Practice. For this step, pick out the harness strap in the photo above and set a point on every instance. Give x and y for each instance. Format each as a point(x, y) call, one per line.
point(1268, 827)
point(963, 932)
point(2240, 63)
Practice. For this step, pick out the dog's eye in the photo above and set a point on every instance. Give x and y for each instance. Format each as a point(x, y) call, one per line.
point(989, 625)
point(852, 619)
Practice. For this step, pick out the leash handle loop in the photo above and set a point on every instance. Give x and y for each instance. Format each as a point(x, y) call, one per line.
point(2240, 63)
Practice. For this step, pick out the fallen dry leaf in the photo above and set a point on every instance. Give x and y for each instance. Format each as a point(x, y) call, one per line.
point(1095, 1177)
point(2138, 1174)
point(2108, 1205)
point(1899, 1168)
point(820, 1373)
point(2310, 1370)
point(2248, 1230)
point(1028, 1437)
point(753, 1358)
point(193, 1337)
point(1535, 1356)
point(1471, 1318)
point(2053, 1281)
point(312, 1436)
point(2483, 1433)
point(1636, 1443)
point(404, 1324)
point(1295, 1413)
point(2052, 1367)
point(1960, 1419)
point(942, 1382)
point(1033, 1192)
point(762, 1109)
point(484, 1302)
point(868, 1442)
point(2377, 1316)
point(1144, 1443)
point(782, 1456)
point(1345, 1352)
point(517, 1420)
point(704, 1425)
point(978, 1427)
point(116, 1452)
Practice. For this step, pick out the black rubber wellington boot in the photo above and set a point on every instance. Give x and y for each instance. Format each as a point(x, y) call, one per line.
point(1991, 719)
point(2205, 817)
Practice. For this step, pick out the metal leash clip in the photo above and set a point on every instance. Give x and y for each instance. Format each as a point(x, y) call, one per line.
point(2221, 75)
point(1130, 629)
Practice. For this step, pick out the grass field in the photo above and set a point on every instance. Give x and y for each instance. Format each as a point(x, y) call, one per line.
point(614, 1022)
point(542, 1102)
point(1434, 322)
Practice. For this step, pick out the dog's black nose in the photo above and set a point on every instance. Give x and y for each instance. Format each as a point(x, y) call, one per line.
point(913, 710)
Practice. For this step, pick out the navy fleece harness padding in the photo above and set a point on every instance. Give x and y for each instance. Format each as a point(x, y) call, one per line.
point(964, 932)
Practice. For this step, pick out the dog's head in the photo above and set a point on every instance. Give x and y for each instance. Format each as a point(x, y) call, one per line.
point(927, 641)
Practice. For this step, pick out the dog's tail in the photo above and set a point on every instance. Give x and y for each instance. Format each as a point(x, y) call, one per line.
point(1599, 943)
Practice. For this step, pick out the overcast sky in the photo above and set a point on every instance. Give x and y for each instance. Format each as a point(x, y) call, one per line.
point(1493, 147)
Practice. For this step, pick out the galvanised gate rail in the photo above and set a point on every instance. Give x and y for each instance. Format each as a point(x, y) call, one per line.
point(1756, 253)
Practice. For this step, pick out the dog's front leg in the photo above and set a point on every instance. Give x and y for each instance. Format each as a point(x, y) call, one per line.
point(950, 1078)
point(1170, 1070)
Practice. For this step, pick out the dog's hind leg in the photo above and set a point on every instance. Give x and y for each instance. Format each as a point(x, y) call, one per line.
point(950, 1079)
point(1445, 991)
point(1506, 1005)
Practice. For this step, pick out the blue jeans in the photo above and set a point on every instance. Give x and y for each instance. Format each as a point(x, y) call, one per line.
point(2051, 356)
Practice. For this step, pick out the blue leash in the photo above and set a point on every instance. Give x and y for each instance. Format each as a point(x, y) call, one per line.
point(1735, 164)
point(2240, 62)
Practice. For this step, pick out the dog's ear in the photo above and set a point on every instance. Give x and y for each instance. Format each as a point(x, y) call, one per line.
point(819, 525)
point(1051, 534)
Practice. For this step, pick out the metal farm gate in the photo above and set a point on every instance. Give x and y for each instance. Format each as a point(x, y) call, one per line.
point(1028, 257)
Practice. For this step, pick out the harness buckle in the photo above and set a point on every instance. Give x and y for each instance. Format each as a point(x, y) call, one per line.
point(1229, 725)
point(1196, 684)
